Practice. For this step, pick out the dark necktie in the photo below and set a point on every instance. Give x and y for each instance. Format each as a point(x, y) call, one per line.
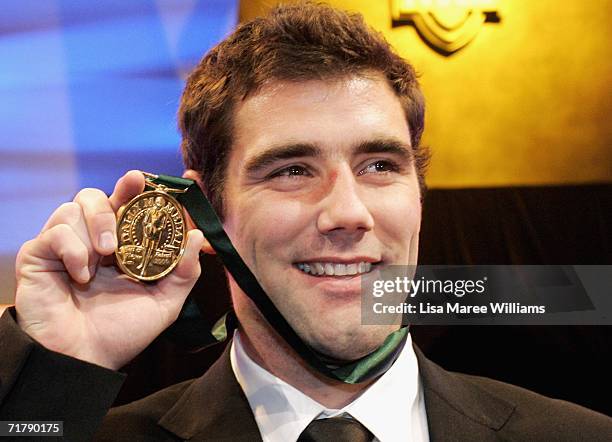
point(335, 429)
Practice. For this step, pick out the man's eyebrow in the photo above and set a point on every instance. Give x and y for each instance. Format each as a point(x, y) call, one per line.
point(282, 152)
point(301, 150)
point(386, 145)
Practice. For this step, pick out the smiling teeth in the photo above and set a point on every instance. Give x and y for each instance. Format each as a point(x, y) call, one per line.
point(334, 269)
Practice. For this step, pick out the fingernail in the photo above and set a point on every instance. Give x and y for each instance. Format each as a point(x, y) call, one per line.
point(84, 274)
point(107, 240)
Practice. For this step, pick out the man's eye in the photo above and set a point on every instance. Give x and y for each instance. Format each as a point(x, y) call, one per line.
point(380, 166)
point(291, 171)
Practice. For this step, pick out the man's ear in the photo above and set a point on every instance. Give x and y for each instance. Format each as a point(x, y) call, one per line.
point(193, 175)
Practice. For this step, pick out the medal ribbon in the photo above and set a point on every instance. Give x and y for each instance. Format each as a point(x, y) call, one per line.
point(205, 218)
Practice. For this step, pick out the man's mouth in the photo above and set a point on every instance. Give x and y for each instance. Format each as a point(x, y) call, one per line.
point(334, 268)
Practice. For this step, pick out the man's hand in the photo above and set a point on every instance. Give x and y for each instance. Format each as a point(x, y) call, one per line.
point(72, 300)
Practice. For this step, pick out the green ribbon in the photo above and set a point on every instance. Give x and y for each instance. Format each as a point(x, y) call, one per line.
point(205, 218)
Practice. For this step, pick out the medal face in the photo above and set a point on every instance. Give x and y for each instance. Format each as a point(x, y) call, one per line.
point(151, 235)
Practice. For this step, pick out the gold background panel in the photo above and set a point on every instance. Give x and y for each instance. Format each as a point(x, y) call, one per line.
point(528, 101)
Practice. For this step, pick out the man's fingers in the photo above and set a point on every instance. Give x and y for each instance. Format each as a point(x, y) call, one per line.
point(99, 218)
point(127, 187)
point(60, 243)
point(184, 276)
point(68, 213)
point(188, 269)
point(71, 214)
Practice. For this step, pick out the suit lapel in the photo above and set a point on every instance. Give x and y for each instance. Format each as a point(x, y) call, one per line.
point(458, 409)
point(213, 408)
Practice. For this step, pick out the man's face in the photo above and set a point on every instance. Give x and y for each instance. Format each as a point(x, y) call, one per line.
point(321, 179)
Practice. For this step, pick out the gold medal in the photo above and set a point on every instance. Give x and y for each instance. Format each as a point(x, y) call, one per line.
point(151, 234)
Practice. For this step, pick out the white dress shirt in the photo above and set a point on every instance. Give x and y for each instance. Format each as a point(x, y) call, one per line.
point(392, 408)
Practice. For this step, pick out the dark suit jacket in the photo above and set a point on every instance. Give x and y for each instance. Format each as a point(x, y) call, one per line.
point(37, 384)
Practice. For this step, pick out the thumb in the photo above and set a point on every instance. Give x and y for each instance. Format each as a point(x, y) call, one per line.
point(177, 285)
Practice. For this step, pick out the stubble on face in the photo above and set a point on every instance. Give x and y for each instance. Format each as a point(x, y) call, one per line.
point(321, 173)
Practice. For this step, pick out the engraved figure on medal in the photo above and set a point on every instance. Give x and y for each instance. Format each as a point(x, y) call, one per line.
point(153, 224)
point(151, 235)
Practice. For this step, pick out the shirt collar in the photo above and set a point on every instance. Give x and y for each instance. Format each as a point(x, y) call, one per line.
point(387, 408)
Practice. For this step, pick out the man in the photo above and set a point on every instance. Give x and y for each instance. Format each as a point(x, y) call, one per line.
point(303, 128)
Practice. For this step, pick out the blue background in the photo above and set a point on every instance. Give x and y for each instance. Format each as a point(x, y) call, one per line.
point(89, 90)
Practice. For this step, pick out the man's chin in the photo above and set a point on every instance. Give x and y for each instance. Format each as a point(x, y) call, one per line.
point(343, 348)
point(335, 357)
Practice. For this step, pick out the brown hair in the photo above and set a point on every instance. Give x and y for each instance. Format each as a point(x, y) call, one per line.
point(292, 43)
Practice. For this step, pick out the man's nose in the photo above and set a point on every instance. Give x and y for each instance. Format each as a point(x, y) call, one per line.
point(343, 209)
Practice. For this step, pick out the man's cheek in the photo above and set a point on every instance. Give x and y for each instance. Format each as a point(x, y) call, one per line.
point(398, 220)
point(284, 225)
